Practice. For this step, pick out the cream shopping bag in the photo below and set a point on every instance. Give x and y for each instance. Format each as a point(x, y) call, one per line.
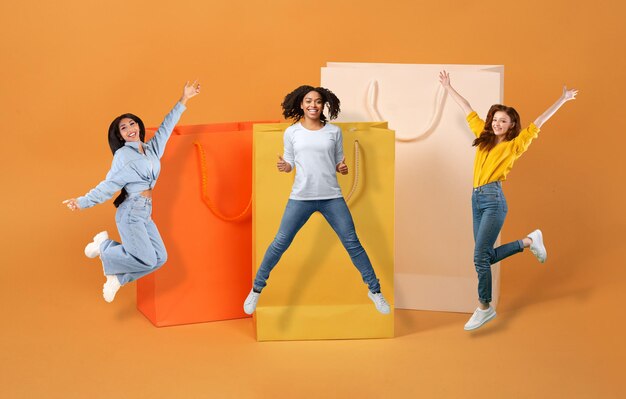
point(434, 160)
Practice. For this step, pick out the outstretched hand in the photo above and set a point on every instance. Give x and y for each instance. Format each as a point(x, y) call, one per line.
point(565, 97)
point(568, 94)
point(72, 204)
point(190, 91)
point(444, 78)
point(342, 167)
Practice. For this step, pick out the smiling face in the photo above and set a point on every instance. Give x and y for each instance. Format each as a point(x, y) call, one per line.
point(312, 105)
point(129, 129)
point(501, 123)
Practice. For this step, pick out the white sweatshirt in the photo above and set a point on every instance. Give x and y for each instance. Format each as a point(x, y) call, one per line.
point(315, 155)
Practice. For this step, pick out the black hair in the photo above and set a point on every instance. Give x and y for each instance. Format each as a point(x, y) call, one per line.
point(291, 103)
point(116, 141)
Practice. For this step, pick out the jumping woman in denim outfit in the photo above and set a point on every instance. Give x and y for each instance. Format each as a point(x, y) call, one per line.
point(315, 149)
point(134, 171)
point(500, 140)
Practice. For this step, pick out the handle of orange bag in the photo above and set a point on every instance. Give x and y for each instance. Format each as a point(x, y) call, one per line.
point(205, 196)
point(372, 97)
point(355, 181)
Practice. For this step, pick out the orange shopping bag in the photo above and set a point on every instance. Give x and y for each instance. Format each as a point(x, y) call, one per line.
point(202, 209)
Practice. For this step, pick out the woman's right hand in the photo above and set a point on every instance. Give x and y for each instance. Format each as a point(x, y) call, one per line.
point(282, 165)
point(444, 79)
point(72, 204)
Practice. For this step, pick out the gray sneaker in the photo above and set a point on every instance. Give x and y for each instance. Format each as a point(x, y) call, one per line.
point(479, 318)
point(537, 247)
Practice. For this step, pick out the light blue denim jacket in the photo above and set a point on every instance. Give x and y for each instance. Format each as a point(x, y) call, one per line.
point(132, 170)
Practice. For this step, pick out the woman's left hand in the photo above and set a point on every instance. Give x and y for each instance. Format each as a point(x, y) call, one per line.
point(568, 94)
point(190, 91)
point(342, 167)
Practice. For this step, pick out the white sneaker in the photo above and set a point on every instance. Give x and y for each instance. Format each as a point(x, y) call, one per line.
point(379, 301)
point(249, 306)
point(110, 288)
point(479, 318)
point(537, 247)
point(93, 248)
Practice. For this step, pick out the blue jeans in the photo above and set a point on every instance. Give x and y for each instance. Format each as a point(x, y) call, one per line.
point(489, 209)
point(142, 250)
point(336, 213)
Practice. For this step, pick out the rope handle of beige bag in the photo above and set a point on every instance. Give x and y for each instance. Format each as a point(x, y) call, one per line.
point(205, 196)
point(357, 161)
point(372, 109)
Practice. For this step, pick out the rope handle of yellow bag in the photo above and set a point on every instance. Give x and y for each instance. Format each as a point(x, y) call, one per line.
point(205, 196)
point(355, 181)
point(374, 113)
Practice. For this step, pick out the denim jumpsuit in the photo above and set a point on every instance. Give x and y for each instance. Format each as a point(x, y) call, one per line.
point(142, 250)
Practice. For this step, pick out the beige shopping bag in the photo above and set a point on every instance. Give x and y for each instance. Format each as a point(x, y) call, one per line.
point(434, 159)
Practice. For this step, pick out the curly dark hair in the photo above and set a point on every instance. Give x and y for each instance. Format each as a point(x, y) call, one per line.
point(116, 141)
point(291, 103)
point(487, 139)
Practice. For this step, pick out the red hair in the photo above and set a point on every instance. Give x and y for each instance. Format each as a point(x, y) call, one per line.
point(487, 139)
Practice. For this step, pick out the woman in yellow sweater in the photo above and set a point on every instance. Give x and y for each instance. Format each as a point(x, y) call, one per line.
point(500, 140)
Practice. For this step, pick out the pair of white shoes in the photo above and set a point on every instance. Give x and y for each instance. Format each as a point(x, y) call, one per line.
point(249, 305)
point(92, 250)
point(481, 316)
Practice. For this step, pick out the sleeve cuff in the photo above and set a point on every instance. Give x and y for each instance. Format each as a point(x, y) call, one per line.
point(180, 107)
point(83, 202)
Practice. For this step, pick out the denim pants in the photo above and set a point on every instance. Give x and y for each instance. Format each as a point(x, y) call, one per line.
point(142, 250)
point(489, 209)
point(336, 213)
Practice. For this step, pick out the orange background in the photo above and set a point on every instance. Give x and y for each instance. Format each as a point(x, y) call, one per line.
point(68, 68)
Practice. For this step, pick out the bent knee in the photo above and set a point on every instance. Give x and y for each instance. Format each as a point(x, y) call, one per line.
point(152, 260)
point(482, 263)
point(161, 259)
point(483, 258)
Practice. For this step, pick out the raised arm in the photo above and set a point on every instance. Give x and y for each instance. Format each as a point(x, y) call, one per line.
point(565, 97)
point(444, 79)
point(162, 135)
point(190, 91)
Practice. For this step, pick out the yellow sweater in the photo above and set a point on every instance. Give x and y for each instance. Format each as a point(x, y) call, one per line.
point(494, 165)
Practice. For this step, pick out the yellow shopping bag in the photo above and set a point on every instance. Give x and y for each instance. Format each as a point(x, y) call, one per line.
point(315, 292)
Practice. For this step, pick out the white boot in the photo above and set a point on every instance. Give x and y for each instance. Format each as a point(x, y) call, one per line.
point(93, 248)
point(110, 288)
